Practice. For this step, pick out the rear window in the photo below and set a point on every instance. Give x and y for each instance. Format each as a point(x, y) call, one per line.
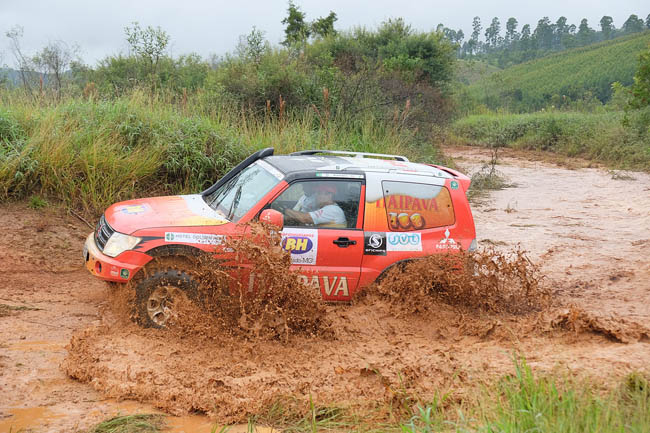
point(416, 206)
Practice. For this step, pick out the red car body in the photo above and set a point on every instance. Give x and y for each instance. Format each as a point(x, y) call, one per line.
point(395, 210)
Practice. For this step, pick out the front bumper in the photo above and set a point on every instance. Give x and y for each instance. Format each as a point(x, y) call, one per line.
point(109, 268)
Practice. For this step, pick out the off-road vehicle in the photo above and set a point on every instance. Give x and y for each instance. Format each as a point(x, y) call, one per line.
point(346, 218)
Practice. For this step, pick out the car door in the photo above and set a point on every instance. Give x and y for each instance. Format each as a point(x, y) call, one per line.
point(327, 254)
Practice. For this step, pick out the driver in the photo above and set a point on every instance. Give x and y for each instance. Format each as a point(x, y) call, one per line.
point(307, 202)
point(328, 213)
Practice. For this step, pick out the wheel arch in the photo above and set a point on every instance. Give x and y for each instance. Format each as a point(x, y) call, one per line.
point(397, 264)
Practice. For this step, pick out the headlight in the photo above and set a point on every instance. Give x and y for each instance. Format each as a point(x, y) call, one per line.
point(118, 243)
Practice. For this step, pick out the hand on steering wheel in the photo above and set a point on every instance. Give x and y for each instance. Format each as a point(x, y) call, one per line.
point(278, 207)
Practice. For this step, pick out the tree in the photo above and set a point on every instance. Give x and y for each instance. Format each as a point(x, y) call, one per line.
point(511, 31)
point(607, 27)
point(561, 31)
point(585, 33)
point(647, 21)
point(641, 87)
point(24, 63)
point(324, 27)
point(525, 37)
point(149, 46)
point(53, 60)
point(633, 24)
point(296, 30)
point(492, 34)
point(473, 43)
point(544, 34)
point(253, 46)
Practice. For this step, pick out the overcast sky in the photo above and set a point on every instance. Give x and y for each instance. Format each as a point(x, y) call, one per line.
point(214, 27)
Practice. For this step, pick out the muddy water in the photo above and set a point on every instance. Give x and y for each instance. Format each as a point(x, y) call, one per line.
point(589, 229)
point(586, 231)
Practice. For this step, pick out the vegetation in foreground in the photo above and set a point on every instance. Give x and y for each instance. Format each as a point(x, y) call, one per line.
point(90, 153)
point(520, 402)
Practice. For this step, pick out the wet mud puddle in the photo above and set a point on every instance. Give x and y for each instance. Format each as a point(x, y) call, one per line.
point(586, 233)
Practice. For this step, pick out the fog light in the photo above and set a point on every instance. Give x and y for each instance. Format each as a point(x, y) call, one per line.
point(98, 268)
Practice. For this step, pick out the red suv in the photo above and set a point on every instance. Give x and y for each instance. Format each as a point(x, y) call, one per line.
point(347, 217)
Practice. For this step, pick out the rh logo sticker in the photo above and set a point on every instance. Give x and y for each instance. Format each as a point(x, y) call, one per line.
point(302, 244)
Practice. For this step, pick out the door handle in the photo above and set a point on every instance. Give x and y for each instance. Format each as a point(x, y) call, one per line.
point(344, 242)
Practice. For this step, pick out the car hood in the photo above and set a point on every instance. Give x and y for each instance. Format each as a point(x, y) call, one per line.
point(171, 211)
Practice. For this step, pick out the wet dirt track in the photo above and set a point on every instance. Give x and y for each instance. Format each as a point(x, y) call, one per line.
point(589, 234)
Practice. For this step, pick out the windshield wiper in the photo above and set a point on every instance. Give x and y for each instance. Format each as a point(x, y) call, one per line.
point(235, 203)
point(223, 191)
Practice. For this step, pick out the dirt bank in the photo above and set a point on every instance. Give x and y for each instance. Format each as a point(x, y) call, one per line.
point(587, 232)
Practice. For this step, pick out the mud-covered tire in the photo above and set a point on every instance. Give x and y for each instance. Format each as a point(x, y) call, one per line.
point(155, 295)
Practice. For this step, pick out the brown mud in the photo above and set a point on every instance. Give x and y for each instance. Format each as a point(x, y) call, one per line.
point(578, 300)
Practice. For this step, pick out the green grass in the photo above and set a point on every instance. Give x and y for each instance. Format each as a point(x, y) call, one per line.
point(598, 137)
point(141, 423)
point(90, 154)
point(541, 82)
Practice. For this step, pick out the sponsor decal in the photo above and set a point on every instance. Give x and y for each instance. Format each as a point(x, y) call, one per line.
point(115, 271)
point(194, 238)
point(340, 175)
point(374, 244)
point(405, 221)
point(124, 273)
point(302, 244)
point(329, 285)
point(268, 167)
point(454, 184)
point(447, 243)
point(134, 209)
point(404, 242)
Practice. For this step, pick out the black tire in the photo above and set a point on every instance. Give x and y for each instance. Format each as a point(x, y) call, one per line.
point(156, 292)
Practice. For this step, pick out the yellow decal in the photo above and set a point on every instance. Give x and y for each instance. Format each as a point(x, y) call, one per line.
point(201, 221)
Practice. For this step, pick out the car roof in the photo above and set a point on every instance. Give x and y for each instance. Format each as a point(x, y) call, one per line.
point(298, 163)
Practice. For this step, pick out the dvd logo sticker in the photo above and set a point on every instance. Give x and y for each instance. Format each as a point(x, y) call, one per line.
point(404, 242)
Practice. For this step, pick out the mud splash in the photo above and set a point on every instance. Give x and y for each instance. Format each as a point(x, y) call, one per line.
point(260, 299)
point(579, 321)
point(489, 280)
point(267, 300)
point(244, 352)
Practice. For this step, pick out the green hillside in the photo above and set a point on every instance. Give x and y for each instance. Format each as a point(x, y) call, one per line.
point(471, 71)
point(567, 76)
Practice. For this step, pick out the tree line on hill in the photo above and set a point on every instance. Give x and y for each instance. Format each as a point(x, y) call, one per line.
point(516, 46)
point(391, 72)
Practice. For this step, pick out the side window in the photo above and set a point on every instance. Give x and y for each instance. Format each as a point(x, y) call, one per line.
point(416, 206)
point(320, 203)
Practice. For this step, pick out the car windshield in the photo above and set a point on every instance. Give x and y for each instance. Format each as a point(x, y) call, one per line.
point(237, 196)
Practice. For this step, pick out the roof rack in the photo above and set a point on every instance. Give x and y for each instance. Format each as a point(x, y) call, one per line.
point(356, 154)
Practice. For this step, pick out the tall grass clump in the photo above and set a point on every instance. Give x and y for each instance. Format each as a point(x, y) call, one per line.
point(527, 402)
point(598, 137)
point(90, 153)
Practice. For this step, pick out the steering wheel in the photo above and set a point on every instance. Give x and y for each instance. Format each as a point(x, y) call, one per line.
point(277, 206)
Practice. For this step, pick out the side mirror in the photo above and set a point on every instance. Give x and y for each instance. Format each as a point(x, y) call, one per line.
point(272, 217)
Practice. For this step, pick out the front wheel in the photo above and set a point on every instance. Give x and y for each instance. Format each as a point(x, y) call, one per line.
point(158, 295)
